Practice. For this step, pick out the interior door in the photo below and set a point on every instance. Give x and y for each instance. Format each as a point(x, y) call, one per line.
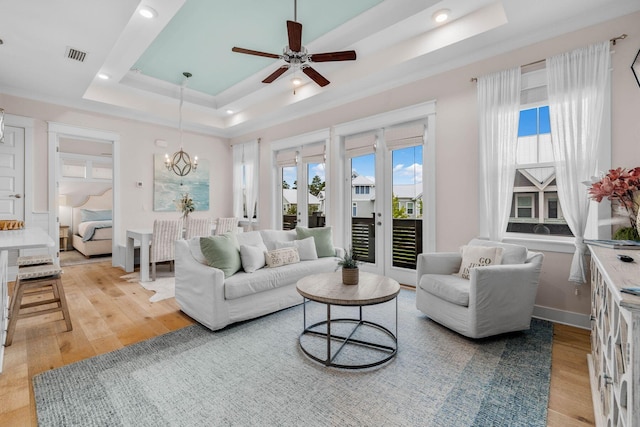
point(12, 174)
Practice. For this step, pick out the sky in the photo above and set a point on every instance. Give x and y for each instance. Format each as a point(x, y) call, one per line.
point(528, 121)
point(407, 167)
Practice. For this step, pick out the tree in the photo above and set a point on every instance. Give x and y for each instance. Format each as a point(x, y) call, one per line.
point(285, 185)
point(398, 211)
point(317, 185)
point(295, 185)
point(420, 207)
point(292, 210)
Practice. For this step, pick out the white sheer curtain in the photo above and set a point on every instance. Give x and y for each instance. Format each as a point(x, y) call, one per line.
point(251, 177)
point(246, 158)
point(238, 178)
point(577, 84)
point(499, 108)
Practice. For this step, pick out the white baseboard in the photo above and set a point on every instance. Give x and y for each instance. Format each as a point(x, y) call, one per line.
point(578, 320)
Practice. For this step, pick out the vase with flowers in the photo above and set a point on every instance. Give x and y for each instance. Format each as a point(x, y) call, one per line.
point(185, 205)
point(622, 187)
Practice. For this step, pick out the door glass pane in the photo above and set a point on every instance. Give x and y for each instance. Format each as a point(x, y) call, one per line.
point(363, 238)
point(316, 194)
point(407, 206)
point(289, 197)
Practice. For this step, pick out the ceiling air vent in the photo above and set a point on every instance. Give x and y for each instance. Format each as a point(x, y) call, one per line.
point(75, 54)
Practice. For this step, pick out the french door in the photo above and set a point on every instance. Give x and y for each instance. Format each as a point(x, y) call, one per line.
point(384, 195)
point(302, 172)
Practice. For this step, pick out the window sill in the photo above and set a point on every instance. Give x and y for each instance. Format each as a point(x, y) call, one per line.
point(547, 244)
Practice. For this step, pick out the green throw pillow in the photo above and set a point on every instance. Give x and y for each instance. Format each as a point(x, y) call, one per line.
point(322, 237)
point(222, 252)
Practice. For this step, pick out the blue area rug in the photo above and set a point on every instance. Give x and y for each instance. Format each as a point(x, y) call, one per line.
point(254, 374)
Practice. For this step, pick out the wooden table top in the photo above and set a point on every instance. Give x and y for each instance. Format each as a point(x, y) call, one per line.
point(328, 288)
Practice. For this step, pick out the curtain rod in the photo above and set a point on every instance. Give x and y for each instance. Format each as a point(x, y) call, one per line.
point(612, 41)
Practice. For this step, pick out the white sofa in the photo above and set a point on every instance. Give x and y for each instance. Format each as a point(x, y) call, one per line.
point(203, 293)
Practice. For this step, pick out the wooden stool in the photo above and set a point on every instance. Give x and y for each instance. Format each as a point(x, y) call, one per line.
point(37, 280)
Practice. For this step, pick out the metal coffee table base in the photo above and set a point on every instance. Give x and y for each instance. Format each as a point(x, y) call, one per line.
point(388, 351)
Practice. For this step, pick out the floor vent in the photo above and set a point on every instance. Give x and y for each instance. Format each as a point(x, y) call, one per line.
point(75, 54)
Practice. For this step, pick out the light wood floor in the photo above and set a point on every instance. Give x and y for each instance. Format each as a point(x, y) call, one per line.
point(109, 313)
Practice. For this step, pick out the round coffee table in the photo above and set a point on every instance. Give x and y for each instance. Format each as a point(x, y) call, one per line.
point(327, 288)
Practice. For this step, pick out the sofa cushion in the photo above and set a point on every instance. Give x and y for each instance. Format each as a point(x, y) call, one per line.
point(252, 257)
point(478, 256)
point(252, 238)
point(511, 254)
point(448, 287)
point(270, 237)
point(306, 248)
point(323, 239)
point(222, 252)
point(282, 256)
point(242, 284)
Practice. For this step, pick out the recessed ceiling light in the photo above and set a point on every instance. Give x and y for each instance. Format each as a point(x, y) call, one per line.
point(147, 12)
point(441, 15)
point(103, 76)
point(229, 111)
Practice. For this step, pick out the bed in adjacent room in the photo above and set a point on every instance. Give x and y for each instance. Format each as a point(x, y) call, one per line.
point(92, 225)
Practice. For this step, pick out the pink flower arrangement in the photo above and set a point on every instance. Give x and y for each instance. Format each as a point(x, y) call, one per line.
point(620, 185)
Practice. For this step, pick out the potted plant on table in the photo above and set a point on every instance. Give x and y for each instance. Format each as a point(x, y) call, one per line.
point(349, 264)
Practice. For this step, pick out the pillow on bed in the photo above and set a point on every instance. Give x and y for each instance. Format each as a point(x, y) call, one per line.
point(95, 215)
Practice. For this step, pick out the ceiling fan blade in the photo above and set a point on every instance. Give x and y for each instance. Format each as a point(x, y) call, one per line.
point(277, 73)
point(315, 76)
point(346, 55)
point(255, 52)
point(294, 29)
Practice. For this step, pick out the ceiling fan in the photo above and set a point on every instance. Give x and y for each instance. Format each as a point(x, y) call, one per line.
point(296, 56)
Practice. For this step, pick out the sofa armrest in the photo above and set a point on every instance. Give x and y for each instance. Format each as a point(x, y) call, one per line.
point(199, 288)
point(504, 294)
point(438, 263)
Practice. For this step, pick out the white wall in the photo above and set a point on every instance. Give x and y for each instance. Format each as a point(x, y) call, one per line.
point(457, 133)
point(137, 147)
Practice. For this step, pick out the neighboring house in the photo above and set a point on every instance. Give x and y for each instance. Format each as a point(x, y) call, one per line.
point(290, 200)
point(363, 196)
point(409, 197)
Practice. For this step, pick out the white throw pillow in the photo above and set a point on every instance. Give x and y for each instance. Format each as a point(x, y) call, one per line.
point(283, 256)
point(478, 256)
point(306, 248)
point(252, 257)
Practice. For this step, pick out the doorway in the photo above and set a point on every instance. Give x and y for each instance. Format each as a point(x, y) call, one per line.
point(82, 168)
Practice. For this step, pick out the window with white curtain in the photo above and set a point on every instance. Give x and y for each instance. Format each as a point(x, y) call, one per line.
point(245, 180)
point(546, 229)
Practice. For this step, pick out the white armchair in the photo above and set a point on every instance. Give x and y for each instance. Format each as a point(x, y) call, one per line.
point(494, 300)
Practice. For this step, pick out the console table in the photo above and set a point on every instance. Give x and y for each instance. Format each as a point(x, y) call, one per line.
point(614, 362)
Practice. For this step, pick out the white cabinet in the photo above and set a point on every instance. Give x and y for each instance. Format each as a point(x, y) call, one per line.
point(614, 362)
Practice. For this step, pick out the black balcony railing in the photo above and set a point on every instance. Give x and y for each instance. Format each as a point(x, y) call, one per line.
point(289, 222)
point(406, 241)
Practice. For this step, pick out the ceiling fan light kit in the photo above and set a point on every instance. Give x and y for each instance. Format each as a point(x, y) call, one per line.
point(297, 57)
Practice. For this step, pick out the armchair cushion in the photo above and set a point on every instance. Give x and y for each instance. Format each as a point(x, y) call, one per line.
point(447, 287)
point(511, 254)
point(478, 256)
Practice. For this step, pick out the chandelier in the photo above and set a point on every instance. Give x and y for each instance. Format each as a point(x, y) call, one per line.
point(180, 162)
